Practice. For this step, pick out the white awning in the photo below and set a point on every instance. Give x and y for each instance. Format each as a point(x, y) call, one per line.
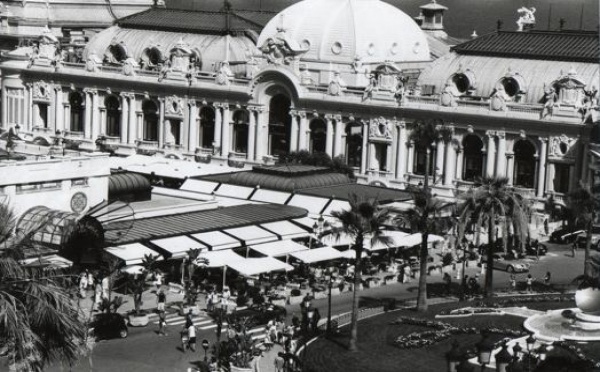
point(133, 253)
point(313, 204)
point(270, 196)
point(218, 258)
point(217, 240)
point(351, 254)
point(204, 187)
point(252, 234)
point(234, 191)
point(178, 246)
point(286, 229)
point(52, 261)
point(334, 241)
point(336, 205)
point(305, 222)
point(415, 239)
point(317, 255)
point(255, 266)
point(279, 249)
point(396, 237)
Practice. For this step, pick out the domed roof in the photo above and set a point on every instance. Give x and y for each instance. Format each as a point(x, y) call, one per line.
point(340, 30)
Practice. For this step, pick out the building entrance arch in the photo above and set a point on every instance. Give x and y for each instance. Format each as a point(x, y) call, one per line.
point(525, 159)
point(473, 158)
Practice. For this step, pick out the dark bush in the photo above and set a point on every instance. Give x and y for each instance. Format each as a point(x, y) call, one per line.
point(447, 259)
point(296, 292)
point(241, 300)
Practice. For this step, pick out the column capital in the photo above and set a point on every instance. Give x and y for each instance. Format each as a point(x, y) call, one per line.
point(501, 134)
point(490, 133)
point(293, 112)
point(302, 114)
point(252, 108)
point(328, 117)
point(192, 102)
point(92, 91)
point(58, 88)
point(217, 104)
point(401, 124)
point(128, 95)
point(337, 117)
point(29, 84)
point(543, 140)
point(225, 105)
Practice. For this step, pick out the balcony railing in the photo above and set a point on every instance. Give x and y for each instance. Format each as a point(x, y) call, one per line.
point(147, 145)
point(526, 193)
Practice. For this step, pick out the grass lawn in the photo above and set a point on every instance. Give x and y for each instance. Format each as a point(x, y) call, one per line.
point(376, 351)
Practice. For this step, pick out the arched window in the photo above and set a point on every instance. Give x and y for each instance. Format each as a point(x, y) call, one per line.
point(318, 134)
point(150, 112)
point(113, 116)
point(240, 131)
point(279, 125)
point(207, 127)
point(117, 53)
point(461, 82)
point(511, 86)
point(354, 143)
point(473, 158)
point(524, 174)
point(77, 104)
point(421, 161)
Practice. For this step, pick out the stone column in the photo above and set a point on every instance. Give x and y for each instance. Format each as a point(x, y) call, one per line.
point(542, 167)
point(262, 134)
point(491, 153)
point(124, 117)
point(87, 127)
point(95, 114)
point(389, 157)
point(250, 156)
point(365, 141)
point(439, 159)
point(550, 178)
point(4, 108)
point(36, 114)
point(501, 156)
point(218, 128)
point(28, 106)
point(294, 131)
point(303, 134)
point(103, 120)
point(192, 127)
point(372, 157)
point(450, 165)
point(329, 135)
point(339, 130)
point(161, 122)
point(59, 110)
point(139, 124)
point(401, 150)
point(510, 168)
point(585, 170)
point(226, 132)
point(458, 174)
point(132, 122)
point(410, 163)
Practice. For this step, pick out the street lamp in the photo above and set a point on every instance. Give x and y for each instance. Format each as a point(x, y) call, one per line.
point(530, 341)
point(453, 356)
point(484, 350)
point(332, 277)
point(503, 358)
point(542, 352)
point(205, 347)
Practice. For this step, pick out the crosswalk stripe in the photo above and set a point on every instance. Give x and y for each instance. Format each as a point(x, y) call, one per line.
point(254, 330)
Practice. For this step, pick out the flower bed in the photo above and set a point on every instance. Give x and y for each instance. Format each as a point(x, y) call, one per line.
point(441, 332)
point(510, 302)
point(469, 311)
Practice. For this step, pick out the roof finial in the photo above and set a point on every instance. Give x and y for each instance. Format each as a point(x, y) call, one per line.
point(474, 34)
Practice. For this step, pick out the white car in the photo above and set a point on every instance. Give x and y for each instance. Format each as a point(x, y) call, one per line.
point(508, 265)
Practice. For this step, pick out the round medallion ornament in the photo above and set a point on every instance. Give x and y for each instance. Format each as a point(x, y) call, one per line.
point(78, 202)
point(336, 48)
point(371, 49)
point(394, 49)
point(417, 48)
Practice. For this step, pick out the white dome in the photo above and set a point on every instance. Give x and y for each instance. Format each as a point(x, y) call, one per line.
point(340, 30)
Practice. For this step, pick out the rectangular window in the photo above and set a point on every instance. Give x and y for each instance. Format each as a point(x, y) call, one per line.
point(561, 177)
point(27, 188)
point(79, 182)
point(51, 185)
point(15, 102)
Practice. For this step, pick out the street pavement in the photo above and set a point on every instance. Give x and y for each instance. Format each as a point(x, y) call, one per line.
point(145, 351)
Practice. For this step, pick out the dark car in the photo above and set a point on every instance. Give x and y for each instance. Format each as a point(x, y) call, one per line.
point(564, 235)
point(109, 325)
point(260, 315)
point(532, 250)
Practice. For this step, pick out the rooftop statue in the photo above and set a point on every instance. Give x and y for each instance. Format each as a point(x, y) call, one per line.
point(527, 17)
point(280, 48)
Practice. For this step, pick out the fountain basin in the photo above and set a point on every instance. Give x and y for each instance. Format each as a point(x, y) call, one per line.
point(553, 326)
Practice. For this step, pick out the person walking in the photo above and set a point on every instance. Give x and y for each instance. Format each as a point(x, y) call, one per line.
point(279, 362)
point(192, 337)
point(529, 283)
point(158, 279)
point(513, 282)
point(90, 280)
point(547, 278)
point(573, 249)
point(83, 284)
point(210, 298)
point(161, 299)
point(219, 329)
point(448, 283)
point(162, 324)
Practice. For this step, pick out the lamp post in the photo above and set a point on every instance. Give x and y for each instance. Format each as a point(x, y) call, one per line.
point(503, 358)
point(331, 280)
point(453, 356)
point(484, 350)
point(205, 347)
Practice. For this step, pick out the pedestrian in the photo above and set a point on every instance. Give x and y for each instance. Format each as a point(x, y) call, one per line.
point(547, 278)
point(189, 319)
point(219, 329)
point(162, 324)
point(280, 327)
point(210, 298)
point(97, 294)
point(105, 287)
point(279, 362)
point(407, 274)
point(315, 320)
point(546, 228)
point(161, 299)
point(192, 337)
point(158, 279)
point(90, 280)
point(513, 282)
point(573, 248)
point(529, 283)
point(448, 283)
point(83, 283)
point(230, 332)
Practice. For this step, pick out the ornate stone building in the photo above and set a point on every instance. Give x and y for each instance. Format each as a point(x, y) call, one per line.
point(348, 80)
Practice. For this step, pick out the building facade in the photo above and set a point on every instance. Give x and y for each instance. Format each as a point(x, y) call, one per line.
point(350, 80)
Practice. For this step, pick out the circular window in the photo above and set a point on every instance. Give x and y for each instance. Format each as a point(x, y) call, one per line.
point(305, 44)
point(511, 86)
point(394, 49)
point(371, 49)
point(461, 82)
point(337, 47)
point(417, 48)
point(78, 202)
point(42, 91)
point(563, 148)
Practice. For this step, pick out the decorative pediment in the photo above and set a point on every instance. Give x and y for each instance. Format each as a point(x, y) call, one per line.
point(41, 91)
point(45, 50)
point(570, 88)
point(387, 76)
point(380, 129)
point(174, 106)
point(561, 145)
point(336, 85)
point(180, 57)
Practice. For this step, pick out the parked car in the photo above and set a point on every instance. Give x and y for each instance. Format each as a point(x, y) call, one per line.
point(564, 235)
point(582, 240)
point(109, 325)
point(541, 250)
point(507, 264)
point(260, 315)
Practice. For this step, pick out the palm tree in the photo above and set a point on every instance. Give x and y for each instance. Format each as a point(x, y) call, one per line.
point(424, 217)
point(39, 323)
point(582, 205)
point(494, 202)
point(364, 220)
point(425, 135)
point(192, 256)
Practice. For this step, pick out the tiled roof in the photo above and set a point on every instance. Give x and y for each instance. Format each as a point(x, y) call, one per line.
point(577, 46)
point(343, 192)
point(196, 21)
point(195, 222)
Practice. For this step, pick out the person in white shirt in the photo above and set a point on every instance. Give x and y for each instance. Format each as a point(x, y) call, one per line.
point(192, 337)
